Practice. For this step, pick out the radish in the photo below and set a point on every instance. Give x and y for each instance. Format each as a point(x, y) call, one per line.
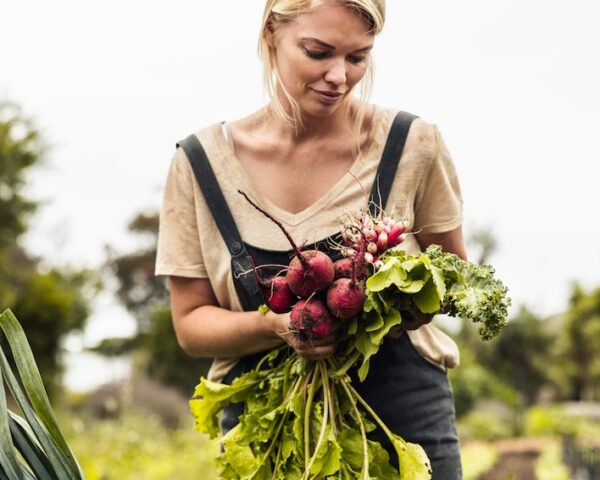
point(382, 242)
point(396, 234)
point(310, 271)
point(345, 298)
point(311, 320)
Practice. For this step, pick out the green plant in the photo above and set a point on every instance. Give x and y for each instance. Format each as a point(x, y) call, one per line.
point(32, 446)
point(484, 425)
point(137, 445)
point(477, 458)
point(549, 465)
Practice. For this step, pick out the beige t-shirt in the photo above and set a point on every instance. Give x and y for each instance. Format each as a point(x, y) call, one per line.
point(425, 192)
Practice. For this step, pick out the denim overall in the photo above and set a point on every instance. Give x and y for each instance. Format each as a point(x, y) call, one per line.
point(410, 394)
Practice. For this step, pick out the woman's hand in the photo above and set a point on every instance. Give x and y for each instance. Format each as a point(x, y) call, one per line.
point(411, 320)
point(312, 349)
point(451, 241)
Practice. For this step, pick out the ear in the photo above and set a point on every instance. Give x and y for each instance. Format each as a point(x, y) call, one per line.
point(269, 33)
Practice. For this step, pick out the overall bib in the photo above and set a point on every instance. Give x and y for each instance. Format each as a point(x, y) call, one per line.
point(410, 394)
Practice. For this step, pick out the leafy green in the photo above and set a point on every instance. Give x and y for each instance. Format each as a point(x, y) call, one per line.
point(432, 282)
point(41, 446)
point(473, 292)
point(303, 419)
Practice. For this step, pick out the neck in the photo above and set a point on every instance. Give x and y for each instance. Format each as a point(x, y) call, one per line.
point(312, 126)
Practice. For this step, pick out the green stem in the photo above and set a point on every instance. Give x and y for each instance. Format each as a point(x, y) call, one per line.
point(265, 358)
point(320, 365)
point(347, 364)
point(277, 460)
point(292, 392)
point(273, 442)
point(366, 406)
point(307, 409)
point(328, 392)
point(339, 416)
point(361, 425)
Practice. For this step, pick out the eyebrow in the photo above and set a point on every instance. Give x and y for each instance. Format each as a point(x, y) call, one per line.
point(327, 45)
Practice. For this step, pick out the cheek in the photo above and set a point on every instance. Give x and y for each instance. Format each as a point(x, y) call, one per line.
point(355, 75)
point(296, 71)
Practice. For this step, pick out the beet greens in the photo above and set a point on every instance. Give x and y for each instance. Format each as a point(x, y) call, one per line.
point(302, 418)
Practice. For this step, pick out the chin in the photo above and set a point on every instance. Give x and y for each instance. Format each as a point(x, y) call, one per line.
point(320, 110)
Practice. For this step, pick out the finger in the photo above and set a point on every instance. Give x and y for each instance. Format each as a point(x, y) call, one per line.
point(329, 339)
point(316, 353)
point(410, 324)
point(395, 332)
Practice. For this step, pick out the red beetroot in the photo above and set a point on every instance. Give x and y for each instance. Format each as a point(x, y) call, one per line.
point(310, 272)
point(343, 268)
point(311, 320)
point(275, 291)
point(277, 294)
point(345, 298)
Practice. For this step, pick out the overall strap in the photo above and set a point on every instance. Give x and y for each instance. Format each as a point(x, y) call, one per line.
point(205, 176)
point(390, 159)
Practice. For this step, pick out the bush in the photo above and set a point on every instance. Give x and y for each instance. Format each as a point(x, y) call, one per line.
point(546, 420)
point(477, 458)
point(549, 465)
point(561, 419)
point(136, 445)
point(484, 425)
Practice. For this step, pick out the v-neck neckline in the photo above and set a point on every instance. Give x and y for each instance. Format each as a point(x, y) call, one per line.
point(292, 219)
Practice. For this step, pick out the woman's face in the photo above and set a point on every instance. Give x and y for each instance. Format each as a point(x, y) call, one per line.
point(321, 56)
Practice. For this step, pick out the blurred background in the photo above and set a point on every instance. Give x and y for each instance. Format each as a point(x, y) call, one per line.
point(93, 97)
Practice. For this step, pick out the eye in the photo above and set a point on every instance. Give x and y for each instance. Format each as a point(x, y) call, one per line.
point(356, 59)
point(316, 54)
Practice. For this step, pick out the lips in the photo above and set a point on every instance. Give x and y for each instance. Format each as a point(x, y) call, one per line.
point(328, 93)
point(328, 96)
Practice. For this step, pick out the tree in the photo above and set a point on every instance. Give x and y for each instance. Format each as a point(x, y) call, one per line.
point(146, 297)
point(581, 352)
point(49, 302)
point(520, 355)
point(20, 149)
point(483, 243)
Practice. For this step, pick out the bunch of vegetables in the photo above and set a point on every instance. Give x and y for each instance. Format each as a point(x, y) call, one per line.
point(303, 419)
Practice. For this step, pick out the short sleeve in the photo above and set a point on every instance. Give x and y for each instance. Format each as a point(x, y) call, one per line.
point(179, 249)
point(438, 200)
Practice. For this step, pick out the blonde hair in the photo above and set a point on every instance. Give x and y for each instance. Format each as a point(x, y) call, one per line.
point(281, 12)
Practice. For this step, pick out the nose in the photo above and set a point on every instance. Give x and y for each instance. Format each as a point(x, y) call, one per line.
point(336, 72)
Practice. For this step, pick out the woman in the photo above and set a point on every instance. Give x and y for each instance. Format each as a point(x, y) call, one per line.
point(306, 158)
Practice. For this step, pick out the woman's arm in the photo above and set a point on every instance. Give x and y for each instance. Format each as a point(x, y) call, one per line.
point(204, 329)
point(451, 241)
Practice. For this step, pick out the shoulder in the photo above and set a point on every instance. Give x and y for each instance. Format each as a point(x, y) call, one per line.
point(209, 141)
point(423, 141)
point(423, 135)
point(205, 135)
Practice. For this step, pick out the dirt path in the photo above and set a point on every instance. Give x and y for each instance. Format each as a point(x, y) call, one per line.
point(517, 458)
point(520, 465)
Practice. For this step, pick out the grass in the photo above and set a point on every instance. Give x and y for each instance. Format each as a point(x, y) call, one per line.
point(549, 465)
point(136, 446)
point(477, 458)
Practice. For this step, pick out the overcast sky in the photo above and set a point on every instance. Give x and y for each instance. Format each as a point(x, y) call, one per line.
point(514, 87)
